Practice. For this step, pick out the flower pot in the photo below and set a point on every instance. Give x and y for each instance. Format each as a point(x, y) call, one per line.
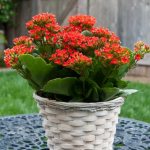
point(79, 126)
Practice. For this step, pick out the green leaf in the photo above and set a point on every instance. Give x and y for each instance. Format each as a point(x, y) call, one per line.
point(95, 95)
point(48, 49)
point(108, 84)
point(90, 82)
point(122, 84)
point(76, 99)
point(87, 33)
point(90, 90)
point(38, 70)
point(61, 72)
point(88, 94)
point(60, 85)
point(109, 93)
point(33, 85)
point(123, 70)
point(127, 92)
point(77, 89)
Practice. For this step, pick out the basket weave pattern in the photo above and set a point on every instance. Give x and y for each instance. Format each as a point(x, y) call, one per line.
point(79, 128)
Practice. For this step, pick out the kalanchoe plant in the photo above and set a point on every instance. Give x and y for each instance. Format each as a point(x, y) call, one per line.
point(78, 62)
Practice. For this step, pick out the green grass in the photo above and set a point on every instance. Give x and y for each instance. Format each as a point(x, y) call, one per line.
point(137, 106)
point(16, 98)
point(15, 95)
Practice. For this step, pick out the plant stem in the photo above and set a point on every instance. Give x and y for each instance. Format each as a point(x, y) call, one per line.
point(108, 75)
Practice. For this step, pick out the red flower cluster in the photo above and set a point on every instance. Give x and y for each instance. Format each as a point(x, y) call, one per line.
point(77, 45)
point(41, 20)
point(140, 49)
point(61, 56)
point(71, 59)
point(11, 55)
point(83, 22)
point(113, 54)
point(22, 40)
point(43, 26)
point(78, 58)
point(110, 50)
point(105, 35)
point(76, 40)
point(71, 29)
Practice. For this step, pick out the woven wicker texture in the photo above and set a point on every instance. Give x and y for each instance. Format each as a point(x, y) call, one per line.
point(77, 128)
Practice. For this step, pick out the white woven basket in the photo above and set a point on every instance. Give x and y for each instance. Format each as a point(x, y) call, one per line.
point(79, 126)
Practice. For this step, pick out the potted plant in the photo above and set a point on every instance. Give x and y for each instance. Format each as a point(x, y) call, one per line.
point(77, 73)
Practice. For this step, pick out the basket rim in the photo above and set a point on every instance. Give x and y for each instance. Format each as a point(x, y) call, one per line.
point(108, 105)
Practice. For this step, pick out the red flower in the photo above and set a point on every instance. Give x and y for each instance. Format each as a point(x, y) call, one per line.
point(44, 18)
point(140, 49)
point(139, 45)
point(70, 59)
point(125, 59)
point(11, 55)
point(42, 26)
point(138, 57)
point(98, 53)
point(61, 56)
point(22, 40)
point(77, 58)
point(76, 40)
point(109, 56)
point(104, 33)
point(29, 25)
point(82, 21)
point(113, 54)
point(103, 39)
point(114, 61)
point(107, 49)
point(72, 29)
